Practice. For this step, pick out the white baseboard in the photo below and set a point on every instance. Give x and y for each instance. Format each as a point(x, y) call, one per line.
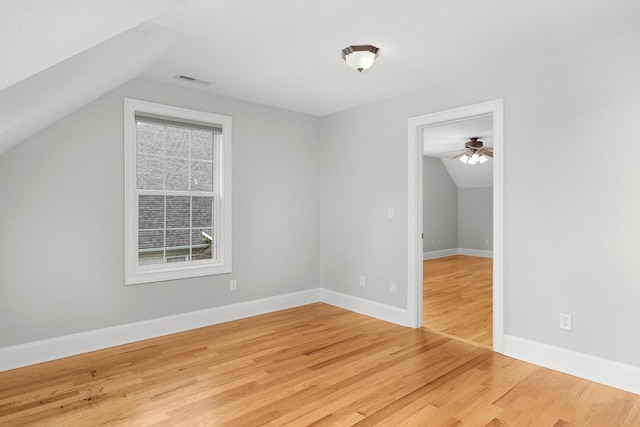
point(385, 312)
point(593, 368)
point(475, 252)
point(46, 350)
point(604, 371)
point(439, 254)
point(456, 251)
point(21, 355)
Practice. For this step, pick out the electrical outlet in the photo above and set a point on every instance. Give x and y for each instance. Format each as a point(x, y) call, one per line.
point(439, 241)
point(362, 283)
point(565, 321)
point(393, 287)
point(486, 242)
point(390, 213)
point(233, 285)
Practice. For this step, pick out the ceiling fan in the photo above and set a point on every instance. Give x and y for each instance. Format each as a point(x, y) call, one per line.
point(475, 152)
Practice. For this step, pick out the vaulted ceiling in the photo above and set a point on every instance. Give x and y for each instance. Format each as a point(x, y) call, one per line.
point(445, 141)
point(58, 56)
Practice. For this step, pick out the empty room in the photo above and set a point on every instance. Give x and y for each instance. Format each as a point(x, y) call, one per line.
point(458, 229)
point(244, 213)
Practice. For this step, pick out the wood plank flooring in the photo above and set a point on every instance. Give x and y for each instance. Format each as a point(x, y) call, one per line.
point(313, 365)
point(458, 298)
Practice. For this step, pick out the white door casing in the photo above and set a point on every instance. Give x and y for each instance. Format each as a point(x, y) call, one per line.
point(414, 273)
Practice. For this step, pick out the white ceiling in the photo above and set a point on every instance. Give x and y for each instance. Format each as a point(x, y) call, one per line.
point(37, 34)
point(287, 53)
point(284, 53)
point(447, 140)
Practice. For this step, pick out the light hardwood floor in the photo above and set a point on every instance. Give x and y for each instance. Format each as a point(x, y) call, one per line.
point(458, 297)
point(313, 365)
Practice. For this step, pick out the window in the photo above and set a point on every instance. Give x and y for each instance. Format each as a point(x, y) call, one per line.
point(177, 192)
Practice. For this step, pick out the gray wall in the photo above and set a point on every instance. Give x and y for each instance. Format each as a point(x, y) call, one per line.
point(62, 218)
point(454, 217)
point(572, 234)
point(440, 207)
point(572, 231)
point(475, 218)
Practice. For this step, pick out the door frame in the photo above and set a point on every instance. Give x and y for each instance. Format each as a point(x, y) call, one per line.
point(415, 207)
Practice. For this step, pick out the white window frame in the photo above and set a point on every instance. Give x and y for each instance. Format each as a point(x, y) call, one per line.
point(135, 273)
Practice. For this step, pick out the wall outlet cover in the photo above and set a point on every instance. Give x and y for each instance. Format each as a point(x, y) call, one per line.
point(565, 321)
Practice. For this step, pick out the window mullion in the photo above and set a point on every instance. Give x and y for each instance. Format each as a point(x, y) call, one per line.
point(176, 193)
point(190, 200)
point(191, 227)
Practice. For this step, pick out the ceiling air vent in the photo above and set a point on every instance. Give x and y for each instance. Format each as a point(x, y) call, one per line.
point(189, 79)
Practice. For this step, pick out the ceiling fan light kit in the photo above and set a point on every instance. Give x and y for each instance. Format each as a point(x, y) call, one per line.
point(475, 152)
point(473, 159)
point(360, 57)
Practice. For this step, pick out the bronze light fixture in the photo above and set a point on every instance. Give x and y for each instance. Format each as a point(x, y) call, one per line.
point(475, 152)
point(360, 57)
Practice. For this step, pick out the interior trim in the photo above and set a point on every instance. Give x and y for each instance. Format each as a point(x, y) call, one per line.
point(593, 368)
point(414, 209)
point(30, 353)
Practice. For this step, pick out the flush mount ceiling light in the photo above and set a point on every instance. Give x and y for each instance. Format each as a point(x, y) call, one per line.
point(359, 57)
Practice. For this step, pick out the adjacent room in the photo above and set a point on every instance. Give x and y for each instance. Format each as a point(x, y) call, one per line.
point(458, 229)
point(277, 212)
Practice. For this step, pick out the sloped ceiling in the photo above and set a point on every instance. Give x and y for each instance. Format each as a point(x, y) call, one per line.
point(447, 140)
point(59, 56)
point(46, 97)
point(284, 53)
point(37, 34)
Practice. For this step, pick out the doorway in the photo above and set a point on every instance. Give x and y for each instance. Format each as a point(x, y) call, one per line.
point(458, 229)
point(415, 199)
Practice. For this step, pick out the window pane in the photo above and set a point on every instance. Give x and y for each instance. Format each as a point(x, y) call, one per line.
point(178, 245)
point(178, 212)
point(177, 255)
point(177, 174)
point(149, 173)
point(148, 239)
point(202, 212)
point(201, 144)
point(150, 138)
point(185, 225)
point(201, 176)
point(150, 212)
point(178, 239)
point(202, 244)
point(150, 257)
point(177, 142)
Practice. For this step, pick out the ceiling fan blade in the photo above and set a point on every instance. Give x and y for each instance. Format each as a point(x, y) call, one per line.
point(487, 151)
point(454, 151)
point(461, 154)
